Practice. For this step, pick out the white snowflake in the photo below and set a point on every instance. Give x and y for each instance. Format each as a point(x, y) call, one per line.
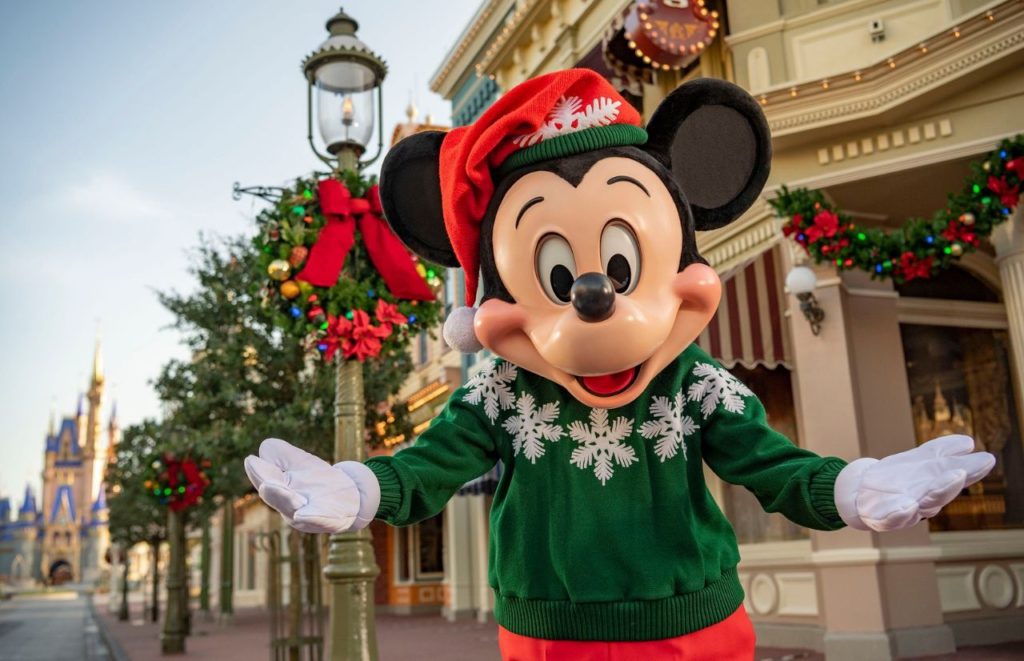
point(602, 444)
point(716, 387)
point(670, 426)
point(532, 427)
point(566, 117)
point(492, 385)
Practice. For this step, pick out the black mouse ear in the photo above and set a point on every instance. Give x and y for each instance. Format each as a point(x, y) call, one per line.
point(410, 193)
point(717, 141)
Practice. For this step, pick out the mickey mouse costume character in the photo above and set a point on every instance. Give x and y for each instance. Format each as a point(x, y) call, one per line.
point(604, 540)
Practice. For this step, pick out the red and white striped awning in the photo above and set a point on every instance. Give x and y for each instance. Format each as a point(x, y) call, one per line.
point(749, 328)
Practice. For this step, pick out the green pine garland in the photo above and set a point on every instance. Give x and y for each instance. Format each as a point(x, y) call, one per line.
point(287, 232)
point(922, 247)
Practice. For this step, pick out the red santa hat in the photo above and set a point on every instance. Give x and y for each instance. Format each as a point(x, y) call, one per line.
point(551, 116)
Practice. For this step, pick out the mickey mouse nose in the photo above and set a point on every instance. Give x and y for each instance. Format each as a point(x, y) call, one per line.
point(593, 297)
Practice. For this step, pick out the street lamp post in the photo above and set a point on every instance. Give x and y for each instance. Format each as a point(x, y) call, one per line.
point(344, 84)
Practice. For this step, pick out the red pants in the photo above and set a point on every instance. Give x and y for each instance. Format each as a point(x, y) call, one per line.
point(732, 639)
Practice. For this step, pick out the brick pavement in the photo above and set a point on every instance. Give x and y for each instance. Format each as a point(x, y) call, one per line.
point(399, 638)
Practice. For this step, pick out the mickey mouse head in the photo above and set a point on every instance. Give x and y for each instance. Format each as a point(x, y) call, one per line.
point(581, 224)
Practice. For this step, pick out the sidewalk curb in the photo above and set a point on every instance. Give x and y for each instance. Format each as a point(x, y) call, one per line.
point(117, 652)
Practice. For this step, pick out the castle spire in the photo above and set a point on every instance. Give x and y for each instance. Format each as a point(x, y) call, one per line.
point(97, 364)
point(51, 430)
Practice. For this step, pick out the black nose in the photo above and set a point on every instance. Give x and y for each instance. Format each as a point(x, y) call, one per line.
point(593, 297)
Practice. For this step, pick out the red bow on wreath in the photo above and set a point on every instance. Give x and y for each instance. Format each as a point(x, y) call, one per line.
point(344, 213)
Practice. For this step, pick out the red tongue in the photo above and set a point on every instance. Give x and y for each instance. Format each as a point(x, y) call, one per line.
point(608, 384)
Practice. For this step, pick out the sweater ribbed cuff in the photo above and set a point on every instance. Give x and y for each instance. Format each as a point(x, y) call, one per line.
point(390, 488)
point(823, 492)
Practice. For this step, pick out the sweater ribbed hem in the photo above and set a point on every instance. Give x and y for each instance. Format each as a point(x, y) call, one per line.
point(823, 492)
point(591, 139)
point(390, 488)
point(621, 620)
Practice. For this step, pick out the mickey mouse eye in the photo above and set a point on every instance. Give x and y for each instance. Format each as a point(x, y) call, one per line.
point(620, 255)
point(556, 268)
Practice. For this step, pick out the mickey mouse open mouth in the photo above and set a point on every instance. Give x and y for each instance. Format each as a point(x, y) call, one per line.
point(607, 385)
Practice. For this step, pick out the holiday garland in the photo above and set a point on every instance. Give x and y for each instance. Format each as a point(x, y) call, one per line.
point(920, 248)
point(338, 277)
point(178, 482)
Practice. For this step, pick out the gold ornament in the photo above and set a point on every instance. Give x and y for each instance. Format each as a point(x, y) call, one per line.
point(986, 166)
point(967, 218)
point(422, 270)
point(279, 270)
point(289, 289)
point(956, 249)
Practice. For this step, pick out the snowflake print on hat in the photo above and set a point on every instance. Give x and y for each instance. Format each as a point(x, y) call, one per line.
point(602, 444)
point(532, 427)
point(493, 386)
point(670, 426)
point(717, 387)
point(566, 117)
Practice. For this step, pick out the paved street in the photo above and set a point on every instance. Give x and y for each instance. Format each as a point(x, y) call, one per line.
point(53, 626)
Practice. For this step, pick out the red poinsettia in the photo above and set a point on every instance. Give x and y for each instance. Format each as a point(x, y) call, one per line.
point(1007, 194)
point(387, 313)
point(793, 226)
point(358, 338)
point(826, 225)
point(912, 267)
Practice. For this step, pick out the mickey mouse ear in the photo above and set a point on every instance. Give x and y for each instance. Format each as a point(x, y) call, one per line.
point(718, 143)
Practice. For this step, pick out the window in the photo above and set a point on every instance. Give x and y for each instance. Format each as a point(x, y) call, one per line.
point(422, 353)
point(419, 551)
point(752, 524)
point(960, 384)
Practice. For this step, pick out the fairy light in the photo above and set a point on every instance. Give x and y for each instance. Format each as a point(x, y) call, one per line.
point(857, 77)
point(824, 84)
point(892, 63)
point(956, 33)
point(924, 48)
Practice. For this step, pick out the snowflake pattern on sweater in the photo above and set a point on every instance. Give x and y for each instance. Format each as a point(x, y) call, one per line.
point(602, 443)
point(532, 426)
point(604, 440)
point(670, 426)
point(717, 387)
point(492, 385)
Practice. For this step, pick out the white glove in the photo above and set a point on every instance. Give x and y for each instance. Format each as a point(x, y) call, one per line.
point(899, 491)
point(312, 495)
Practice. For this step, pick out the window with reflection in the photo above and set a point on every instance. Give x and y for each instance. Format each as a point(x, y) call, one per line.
point(960, 384)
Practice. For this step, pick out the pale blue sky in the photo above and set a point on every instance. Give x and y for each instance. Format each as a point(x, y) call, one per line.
point(122, 127)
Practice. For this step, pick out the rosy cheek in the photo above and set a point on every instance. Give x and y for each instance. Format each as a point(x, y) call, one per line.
point(496, 320)
point(698, 287)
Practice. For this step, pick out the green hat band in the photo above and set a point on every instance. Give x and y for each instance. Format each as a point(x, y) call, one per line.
point(591, 139)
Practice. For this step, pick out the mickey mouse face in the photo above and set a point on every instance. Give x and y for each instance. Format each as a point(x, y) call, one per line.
point(593, 270)
point(590, 270)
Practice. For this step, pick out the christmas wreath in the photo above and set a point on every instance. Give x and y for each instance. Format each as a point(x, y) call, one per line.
point(178, 482)
point(338, 277)
point(921, 247)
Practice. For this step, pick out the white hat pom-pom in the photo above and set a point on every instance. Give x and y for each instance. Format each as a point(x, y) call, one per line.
point(459, 332)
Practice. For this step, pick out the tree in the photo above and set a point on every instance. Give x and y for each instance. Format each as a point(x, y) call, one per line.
point(135, 514)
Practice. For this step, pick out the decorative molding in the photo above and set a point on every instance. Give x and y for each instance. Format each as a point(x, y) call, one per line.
point(979, 544)
point(995, 586)
point(764, 594)
point(869, 555)
point(956, 589)
point(1017, 569)
point(798, 593)
point(775, 554)
point(942, 312)
point(789, 112)
point(898, 164)
point(756, 231)
point(866, 146)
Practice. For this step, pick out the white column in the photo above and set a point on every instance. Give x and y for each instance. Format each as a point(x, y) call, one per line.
point(480, 514)
point(1008, 240)
point(458, 565)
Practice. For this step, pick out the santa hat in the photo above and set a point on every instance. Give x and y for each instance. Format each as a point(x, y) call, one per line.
point(551, 116)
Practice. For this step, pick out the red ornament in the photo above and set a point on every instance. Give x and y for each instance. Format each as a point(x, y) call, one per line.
point(1016, 166)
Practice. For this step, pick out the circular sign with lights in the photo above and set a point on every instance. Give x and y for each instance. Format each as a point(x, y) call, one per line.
point(668, 34)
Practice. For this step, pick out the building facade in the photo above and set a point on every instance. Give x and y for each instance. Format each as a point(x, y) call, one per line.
point(881, 104)
point(65, 538)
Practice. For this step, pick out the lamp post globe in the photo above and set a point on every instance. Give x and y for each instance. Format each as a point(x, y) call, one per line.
point(344, 78)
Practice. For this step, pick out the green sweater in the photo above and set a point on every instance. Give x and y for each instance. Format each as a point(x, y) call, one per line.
point(602, 527)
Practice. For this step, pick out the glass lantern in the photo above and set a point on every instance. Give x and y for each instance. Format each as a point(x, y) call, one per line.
point(345, 104)
point(347, 77)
